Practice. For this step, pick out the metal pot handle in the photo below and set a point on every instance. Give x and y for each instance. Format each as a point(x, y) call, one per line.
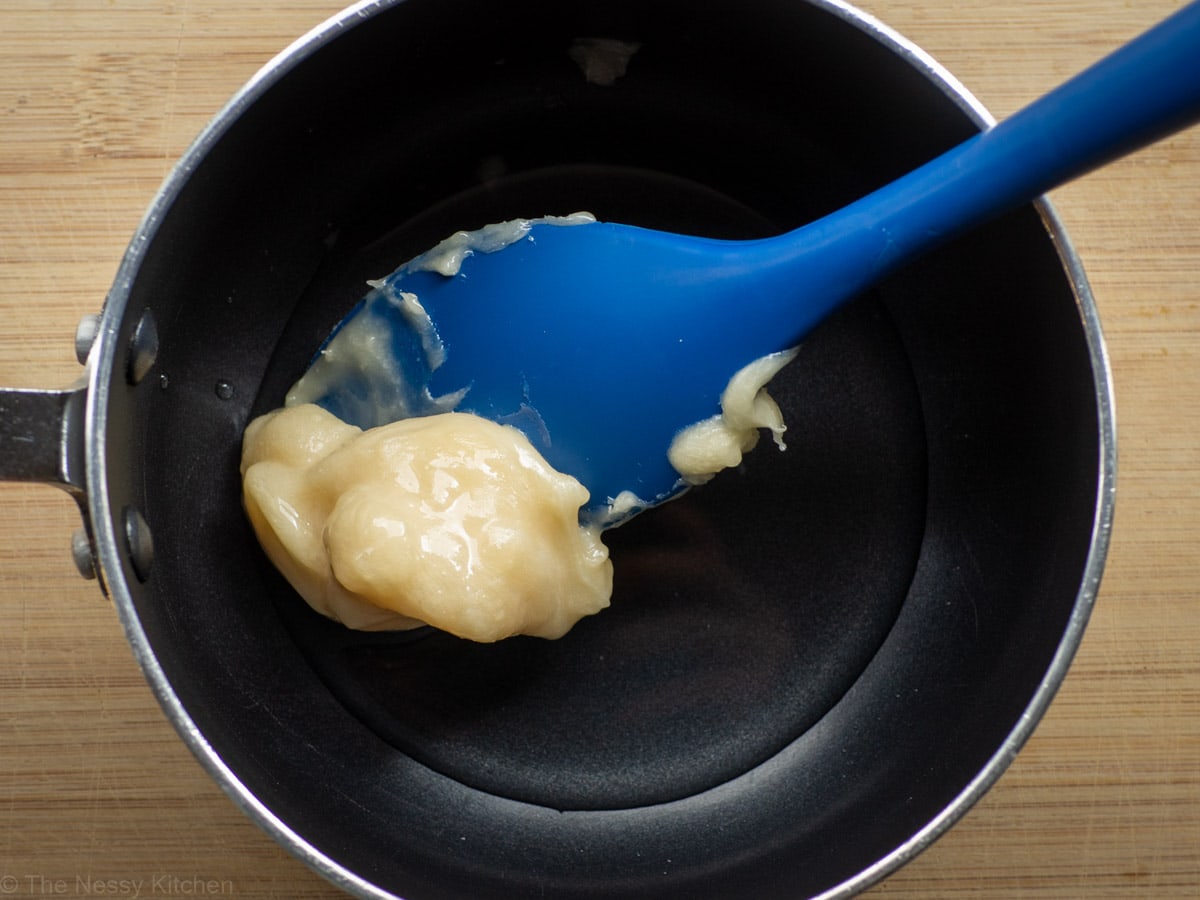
point(42, 441)
point(41, 437)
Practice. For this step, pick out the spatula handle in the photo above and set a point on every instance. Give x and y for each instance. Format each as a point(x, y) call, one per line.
point(1144, 91)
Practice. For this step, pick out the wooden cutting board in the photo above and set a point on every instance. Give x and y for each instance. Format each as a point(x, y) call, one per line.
point(99, 97)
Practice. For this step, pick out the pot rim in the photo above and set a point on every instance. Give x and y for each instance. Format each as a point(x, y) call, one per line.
point(111, 544)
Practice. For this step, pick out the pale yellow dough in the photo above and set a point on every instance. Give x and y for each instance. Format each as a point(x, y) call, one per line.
point(450, 520)
point(704, 448)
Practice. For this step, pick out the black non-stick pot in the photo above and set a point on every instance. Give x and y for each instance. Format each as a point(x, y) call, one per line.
point(811, 667)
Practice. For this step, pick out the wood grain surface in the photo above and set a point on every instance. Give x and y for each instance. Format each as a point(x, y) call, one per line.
point(99, 97)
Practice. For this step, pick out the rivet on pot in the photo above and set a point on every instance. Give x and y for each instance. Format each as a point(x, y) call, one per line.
point(85, 335)
point(81, 553)
point(139, 543)
point(143, 348)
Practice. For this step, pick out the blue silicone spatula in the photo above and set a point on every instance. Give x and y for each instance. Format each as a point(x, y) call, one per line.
point(601, 341)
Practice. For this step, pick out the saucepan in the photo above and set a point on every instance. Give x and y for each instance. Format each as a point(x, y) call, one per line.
point(811, 667)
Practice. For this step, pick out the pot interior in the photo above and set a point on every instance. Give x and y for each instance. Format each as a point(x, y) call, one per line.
point(808, 660)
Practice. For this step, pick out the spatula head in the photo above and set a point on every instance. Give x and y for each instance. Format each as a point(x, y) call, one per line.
point(599, 341)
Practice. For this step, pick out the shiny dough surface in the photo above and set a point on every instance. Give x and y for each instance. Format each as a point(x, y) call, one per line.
point(449, 520)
